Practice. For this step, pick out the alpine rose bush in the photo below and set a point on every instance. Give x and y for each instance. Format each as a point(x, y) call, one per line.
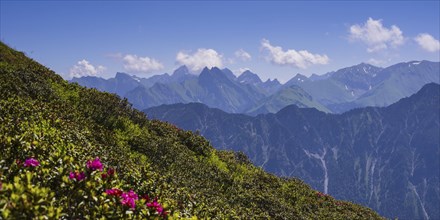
point(77, 175)
point(95, 164)
point(87, 193)
point(31, 162)
point(129, 199)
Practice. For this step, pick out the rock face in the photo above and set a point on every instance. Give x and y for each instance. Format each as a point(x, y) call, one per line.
point(345, 89)
point(248, 77)
point(366, 85)
point(385, 158)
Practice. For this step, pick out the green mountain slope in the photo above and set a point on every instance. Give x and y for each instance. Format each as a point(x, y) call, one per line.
point(326, 91)
point(68, 150)
point(288, 96)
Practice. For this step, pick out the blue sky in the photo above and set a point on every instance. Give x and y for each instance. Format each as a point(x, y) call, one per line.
point(275, 39)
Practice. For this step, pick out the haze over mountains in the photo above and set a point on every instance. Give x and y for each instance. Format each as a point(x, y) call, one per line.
point(357, 86)
point(384, 158)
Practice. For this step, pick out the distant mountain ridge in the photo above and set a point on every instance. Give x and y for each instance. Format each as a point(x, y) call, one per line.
point(408, 80)
point(359, 77)
point(291, 95)
point(69, 152)
point(339, 91)
point(385, 158)
point(248, 77)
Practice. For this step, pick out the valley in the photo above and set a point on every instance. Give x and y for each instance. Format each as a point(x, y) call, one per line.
point(341, 132)
point(382, 157)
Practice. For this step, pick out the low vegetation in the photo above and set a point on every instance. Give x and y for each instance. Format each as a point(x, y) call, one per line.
point(72, 152)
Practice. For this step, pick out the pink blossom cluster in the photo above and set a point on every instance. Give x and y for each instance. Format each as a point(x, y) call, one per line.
point(129, 199)
point(77, 175)
point(154, 204)
point(95, 164)
point(30, 162)
point(110, 173)
point(114, 192)
point(92, 165)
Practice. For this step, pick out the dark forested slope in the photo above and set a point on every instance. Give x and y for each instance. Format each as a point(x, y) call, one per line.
point(385, 158)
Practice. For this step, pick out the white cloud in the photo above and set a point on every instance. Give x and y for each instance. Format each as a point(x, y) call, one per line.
point(241, 70)
point(428, 42)
point(243, 55)
point(136, 64)
point(376, 62)
point(376, 36)
point(301, 59)
point(85, 68)
point(200, 59)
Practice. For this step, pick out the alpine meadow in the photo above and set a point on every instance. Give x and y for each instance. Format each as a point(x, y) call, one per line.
point(220, 110)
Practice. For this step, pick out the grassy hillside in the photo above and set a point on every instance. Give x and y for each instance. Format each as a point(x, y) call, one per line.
point(72, 152)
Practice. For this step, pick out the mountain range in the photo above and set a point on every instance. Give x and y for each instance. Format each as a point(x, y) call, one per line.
point(348, 88)
point(386, 158)
point(69, 152)
point(315, 128)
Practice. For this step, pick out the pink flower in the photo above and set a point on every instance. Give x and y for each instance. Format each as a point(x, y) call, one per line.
point(31, 162)
point(80, 176)
point(110, 173)
point(114, 192)
point(160, 210)
point(95, 164)
point(129, 199)
point(77, 175)
point(153, 204)
point(157, 206)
